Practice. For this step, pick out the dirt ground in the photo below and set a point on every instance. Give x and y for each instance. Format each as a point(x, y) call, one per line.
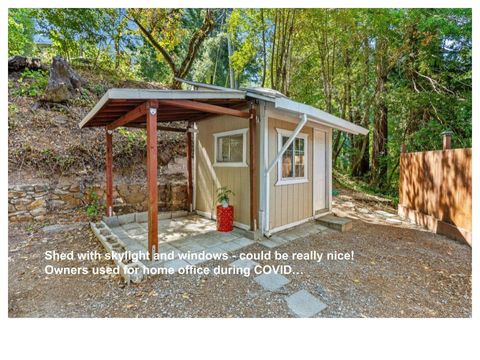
point(397, 271)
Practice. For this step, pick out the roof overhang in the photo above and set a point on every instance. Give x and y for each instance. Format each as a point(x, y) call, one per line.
point(284, 103)
point(118, 102)
point(319, 116)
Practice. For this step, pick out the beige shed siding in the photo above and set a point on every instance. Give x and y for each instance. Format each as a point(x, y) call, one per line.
point(210, 177)
point(293, 202)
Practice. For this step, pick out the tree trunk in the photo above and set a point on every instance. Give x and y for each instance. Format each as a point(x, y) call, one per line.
point(380, 134)
point(264, 49)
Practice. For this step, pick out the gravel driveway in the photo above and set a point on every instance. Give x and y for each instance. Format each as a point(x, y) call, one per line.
point(396, 272)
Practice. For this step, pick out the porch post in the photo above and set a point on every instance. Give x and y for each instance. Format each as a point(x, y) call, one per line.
point(109, 173)
point(189, 169)
point(253, 168)
point(152, 178)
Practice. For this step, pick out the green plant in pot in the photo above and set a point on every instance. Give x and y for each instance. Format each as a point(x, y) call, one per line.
point(223, 196)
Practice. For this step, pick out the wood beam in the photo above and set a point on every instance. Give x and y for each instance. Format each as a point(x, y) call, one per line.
point(253, 168)
point(134, 114)
point(109, 173)
point(189, 171)
point(205, 107)
point(152, 178)
point(159, 127)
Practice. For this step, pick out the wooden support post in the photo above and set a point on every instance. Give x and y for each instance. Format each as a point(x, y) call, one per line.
point(253, 168)
point(447, 140)
point(189, 171)
point(109, 173)
point(152, 178)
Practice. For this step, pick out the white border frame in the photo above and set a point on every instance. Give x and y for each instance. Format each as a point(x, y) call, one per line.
point(244, 153)
point(296, 180)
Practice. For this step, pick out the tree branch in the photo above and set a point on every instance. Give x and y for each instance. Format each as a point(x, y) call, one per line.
point(155, 44)
point(195, 42)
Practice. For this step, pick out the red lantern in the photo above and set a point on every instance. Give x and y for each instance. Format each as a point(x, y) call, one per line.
point(224, 218)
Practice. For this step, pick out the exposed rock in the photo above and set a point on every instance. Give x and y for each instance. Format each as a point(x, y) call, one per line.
point(20, 63)
point(26, 202)
point(38, 211)
point(36, 204)
point(56, 204)
point(63, 82)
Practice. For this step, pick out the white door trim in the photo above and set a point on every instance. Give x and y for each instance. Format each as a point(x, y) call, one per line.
point(314, 170)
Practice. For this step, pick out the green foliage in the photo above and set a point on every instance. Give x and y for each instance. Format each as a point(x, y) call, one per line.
point(20, 32)
point(93, 208)
point(410, 69)
point(32, 83)
point(223, 194)
point(12, 109)
point(150, 66)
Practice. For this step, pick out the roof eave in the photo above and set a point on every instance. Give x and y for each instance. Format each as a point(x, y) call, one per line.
point(319, 115)
point(151, 94)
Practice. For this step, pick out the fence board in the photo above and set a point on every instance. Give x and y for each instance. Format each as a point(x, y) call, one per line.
point(437, 186)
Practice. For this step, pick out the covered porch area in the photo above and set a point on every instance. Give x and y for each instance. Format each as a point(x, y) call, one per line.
point(175, 111)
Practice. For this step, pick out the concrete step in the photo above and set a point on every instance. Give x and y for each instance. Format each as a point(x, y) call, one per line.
point(336, 223)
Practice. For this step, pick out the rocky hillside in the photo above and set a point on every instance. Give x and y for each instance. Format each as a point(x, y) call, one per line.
point(45, 143)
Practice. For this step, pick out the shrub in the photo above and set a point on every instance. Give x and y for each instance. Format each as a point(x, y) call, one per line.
point(32, 83)
point(93, 208)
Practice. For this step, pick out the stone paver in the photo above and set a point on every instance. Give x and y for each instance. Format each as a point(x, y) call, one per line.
point(271, 281)
point(269, 244)
point(244, 263)
point(304, 304)
point(130, 226)
point(176, 264)
point(243, 241)
point(230, 246)
point(190, 246)
point(211, 242)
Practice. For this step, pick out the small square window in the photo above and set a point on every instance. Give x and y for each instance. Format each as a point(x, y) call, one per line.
point(230, 148)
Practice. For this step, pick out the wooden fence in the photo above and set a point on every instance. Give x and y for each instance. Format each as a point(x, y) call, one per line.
point(436, 191)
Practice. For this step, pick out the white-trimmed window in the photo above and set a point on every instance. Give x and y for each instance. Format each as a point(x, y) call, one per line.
point(292, 166)
point(231, 148)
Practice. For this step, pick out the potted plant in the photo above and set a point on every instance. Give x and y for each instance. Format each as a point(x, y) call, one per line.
point(223, 196)
point(224, 210)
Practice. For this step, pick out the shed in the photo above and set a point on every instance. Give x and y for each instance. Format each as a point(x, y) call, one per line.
point(274, 153)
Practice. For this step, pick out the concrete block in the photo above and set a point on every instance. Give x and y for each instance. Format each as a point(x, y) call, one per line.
point(179, 213)
point(337, 223)
point(127, 218)
point(163, 215)
point(271, 281)
point(111, 221)
point(304, 304)
point(141, 217)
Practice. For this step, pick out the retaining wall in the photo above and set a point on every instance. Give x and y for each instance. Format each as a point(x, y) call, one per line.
point(34, 202)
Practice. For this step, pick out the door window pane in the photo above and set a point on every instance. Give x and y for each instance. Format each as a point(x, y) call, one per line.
point(293, 160)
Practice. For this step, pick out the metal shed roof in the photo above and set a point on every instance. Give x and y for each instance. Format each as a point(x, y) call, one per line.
point(118, 102)
point(282, 102)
